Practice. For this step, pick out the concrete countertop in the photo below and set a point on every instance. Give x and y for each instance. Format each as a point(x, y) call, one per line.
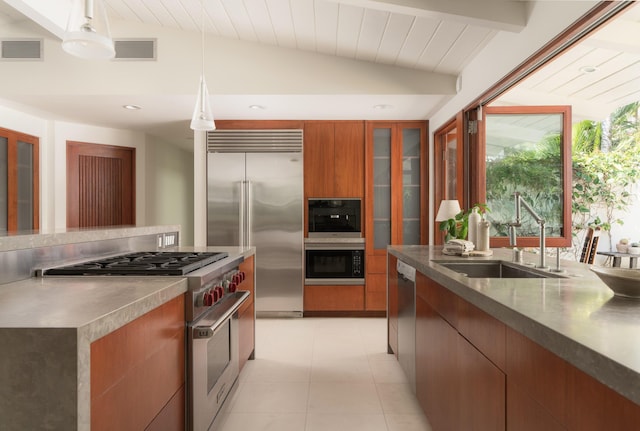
point(47, 326)
point(578, 318)
point(95, 305)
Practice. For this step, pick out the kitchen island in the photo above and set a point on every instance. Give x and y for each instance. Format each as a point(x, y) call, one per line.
point(570, 331)
point(49, 328)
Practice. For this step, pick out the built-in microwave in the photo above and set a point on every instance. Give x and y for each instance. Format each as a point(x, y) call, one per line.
point(335, 217)
point(334, 263)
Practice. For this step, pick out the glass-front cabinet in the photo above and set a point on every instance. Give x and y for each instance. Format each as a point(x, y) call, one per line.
point(19, 197)
point(396, 197)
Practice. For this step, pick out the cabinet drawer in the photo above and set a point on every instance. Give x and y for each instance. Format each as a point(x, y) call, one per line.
point(334, 298)
point(593, 406)
point(443, 301)
point(483, 331)
point(538, 372)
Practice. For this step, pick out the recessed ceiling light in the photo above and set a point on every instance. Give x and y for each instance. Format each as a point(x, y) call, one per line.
point(588, 69)
point(382, 106)
point(257, 107)
point(131, 107)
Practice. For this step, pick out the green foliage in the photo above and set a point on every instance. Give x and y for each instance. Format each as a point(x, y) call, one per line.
point(537, 174)
point(458, 227)
point(602, 180)
point(606, 163)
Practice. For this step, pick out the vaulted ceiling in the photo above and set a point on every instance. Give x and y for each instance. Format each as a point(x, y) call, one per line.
point(294, 59)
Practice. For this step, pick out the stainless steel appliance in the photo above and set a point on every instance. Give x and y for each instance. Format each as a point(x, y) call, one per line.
point(215, 292)
point(332, 217)
point(331, 262)
point(407, 321)
point(254, 189)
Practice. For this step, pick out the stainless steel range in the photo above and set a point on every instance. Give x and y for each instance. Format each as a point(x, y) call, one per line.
point(215, 292)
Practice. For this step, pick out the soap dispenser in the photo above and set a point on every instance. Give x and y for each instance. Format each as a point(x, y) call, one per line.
point(474, 219)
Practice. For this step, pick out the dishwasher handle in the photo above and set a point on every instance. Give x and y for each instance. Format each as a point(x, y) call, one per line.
point(407, 272)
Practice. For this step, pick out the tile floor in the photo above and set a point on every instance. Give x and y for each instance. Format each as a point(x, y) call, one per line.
point(323, 374)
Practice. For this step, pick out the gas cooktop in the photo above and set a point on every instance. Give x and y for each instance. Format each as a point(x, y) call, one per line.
point(142, 263)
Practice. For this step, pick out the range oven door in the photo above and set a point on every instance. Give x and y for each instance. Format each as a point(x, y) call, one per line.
point(337, 263)
point(213, 364)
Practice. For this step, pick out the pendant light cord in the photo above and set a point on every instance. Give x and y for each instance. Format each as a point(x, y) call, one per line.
point(202, 33)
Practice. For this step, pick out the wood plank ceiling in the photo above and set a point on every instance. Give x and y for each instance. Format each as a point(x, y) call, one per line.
point(373, 34)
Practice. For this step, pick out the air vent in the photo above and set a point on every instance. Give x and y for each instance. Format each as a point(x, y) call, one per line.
point(255, 141)
point(135, 49)
point(21, 49)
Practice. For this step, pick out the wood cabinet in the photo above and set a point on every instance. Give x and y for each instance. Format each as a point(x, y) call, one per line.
point(546, 392)
point(538, 378)
point(247, 313)
point(333, 168)
point(592, 406)
point(475, 373)
point(456, 384)
point(333, 298)
point(138, 372)
point(437, 382)
point(19, 181)
point(482, 390)
point(396, 175)
point(334, 159)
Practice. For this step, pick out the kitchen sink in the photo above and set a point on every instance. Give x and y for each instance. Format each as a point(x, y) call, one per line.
point(495, 269)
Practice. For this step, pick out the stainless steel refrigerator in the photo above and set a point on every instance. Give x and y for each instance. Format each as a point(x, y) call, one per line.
point(255, 198)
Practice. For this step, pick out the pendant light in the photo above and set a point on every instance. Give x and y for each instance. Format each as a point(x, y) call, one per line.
point(87, 34)
point(202, 119)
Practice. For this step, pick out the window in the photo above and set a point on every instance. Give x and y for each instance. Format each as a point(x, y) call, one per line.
point(19, 182)
point(528, 150)
point(449, 167)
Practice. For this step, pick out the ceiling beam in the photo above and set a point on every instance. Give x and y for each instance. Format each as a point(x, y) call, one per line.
point(506, 15)
point(48, 14)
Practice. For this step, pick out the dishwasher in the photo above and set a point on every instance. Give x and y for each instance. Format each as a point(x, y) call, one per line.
point(407, 321)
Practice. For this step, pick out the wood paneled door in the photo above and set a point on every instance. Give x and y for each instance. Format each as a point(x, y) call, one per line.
point(100, 185)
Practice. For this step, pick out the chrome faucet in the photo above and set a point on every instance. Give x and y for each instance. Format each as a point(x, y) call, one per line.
point(519, 201)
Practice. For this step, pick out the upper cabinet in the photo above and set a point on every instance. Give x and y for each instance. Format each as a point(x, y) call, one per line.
point(396, 197)
point(396, 176)
point(19, 182)
point(334, 159)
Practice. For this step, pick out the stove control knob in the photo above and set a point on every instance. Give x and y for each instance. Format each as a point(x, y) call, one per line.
point(233, 286)
point(220, 291)
point(242, 275)
point(236, 278)
point(208, 299)
point(215, 295)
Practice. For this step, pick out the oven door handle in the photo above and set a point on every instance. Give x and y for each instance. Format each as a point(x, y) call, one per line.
point(208, 331)
point(321, 246)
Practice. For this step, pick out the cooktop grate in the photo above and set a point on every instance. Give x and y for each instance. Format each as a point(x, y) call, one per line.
point(142, 263)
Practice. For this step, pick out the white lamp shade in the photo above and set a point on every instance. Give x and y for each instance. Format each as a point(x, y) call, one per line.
point(448, 210)
point(87, 34)
point(202, 115)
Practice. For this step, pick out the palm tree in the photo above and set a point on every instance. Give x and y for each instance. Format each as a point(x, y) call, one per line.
point(606, 162)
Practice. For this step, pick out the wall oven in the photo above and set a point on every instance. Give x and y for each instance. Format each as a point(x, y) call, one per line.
point(334, 262)
point(334, 217)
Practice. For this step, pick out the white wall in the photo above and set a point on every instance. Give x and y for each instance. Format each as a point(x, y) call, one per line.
point(169, 179)
point(64, 132)
point(164, 173)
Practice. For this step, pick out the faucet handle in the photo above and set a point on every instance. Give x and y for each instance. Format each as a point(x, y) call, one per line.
point(512, 233)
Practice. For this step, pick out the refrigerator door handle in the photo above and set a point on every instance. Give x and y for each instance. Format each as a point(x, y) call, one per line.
point(249, 210)
point(242, 213)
